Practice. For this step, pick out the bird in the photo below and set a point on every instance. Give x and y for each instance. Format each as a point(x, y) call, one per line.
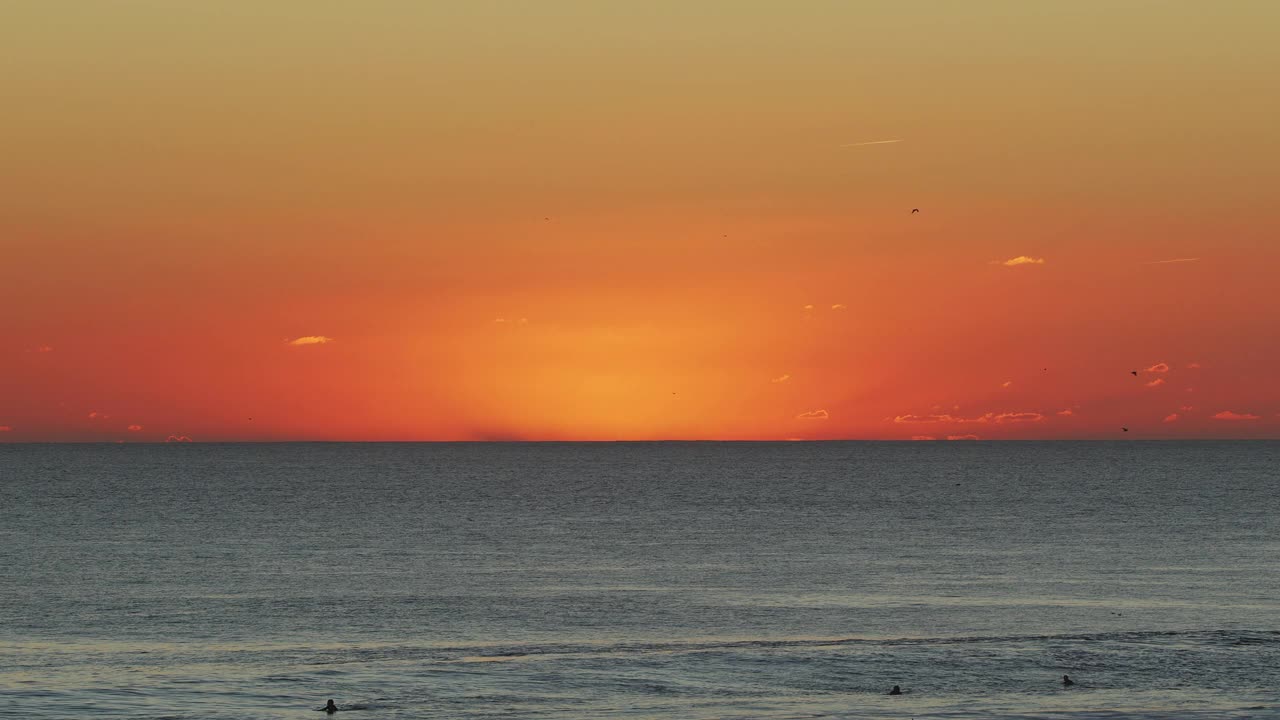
point(1125, 429)
point(915, 210)
point(1133, 373)
point(1067, 681)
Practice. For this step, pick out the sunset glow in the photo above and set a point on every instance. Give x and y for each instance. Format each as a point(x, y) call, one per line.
point(462, 221)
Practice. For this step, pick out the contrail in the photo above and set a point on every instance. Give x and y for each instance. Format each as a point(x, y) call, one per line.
point(1166, 262)
point(872, 142)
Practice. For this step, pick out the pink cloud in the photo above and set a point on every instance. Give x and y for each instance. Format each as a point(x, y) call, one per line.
point(781, 378)
point(963, 437)
point(310, 340)
point(839, 306)
point(1156, 383)
point(814, 415)
point(1228, 415)
point(177, 439)
point(94, 414)
point(135, 428)
point(906, 419)
point(1186, 408)
point(1006, 383)
point(6, 428)
point(1157, 368)
point(1066, 413)
point(1171, 417)
point(923, 437)
point(1019, 417)
point(42, 349)
point(1022, 260)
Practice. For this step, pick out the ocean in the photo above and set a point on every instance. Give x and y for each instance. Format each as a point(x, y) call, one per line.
point(641, 580)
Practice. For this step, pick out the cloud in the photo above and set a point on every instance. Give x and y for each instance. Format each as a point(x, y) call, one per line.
point(1171, 417)
point(781, 378)
point(923, 437)
point(6, 428)
point(1186, 408)
point(1156, 383)
point(135, 428)
point(95, 415)
point(41, 349)
point(1194, 366)
point(1066, 413)
point(1021, 260)
point(1174, 260)
point(1019, 417)
point(499, 320)
point(839, 306)
point(1157, 368)
point(871, 142)
point(1006, 383)
point(310, 340)
point(963, 437)
point(808, 307)
point(814, 415)
point(1228, 415)
point(177, 439)
point(1002, 418)
point(908, 419)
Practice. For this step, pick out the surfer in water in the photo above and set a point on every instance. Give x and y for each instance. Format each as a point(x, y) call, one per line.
point(1067, 681)
point(330, 707)
point(896, 690)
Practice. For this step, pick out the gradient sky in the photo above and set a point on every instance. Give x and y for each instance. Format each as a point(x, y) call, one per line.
point(607, 220)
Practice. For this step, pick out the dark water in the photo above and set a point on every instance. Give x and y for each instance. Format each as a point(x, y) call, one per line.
point(640, 580)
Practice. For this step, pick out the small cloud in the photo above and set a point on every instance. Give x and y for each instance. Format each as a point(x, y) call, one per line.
point(910, 419)
point(808, 307)
point(1019, 417)
point(814, 415)
point(499, 321)
point(178, 439)
point(1066, 413)
point(871, 142)
point(781, 378)
point(963, 437)
point(41, 349)
point(6, 428)
point(95, 415)
point(1174, 260)
point(1232, 416)
point(923, 437)
point(1194, 366)
point(524, 321)
point(1171, 417)
point(1156, 383)
point(1006, 383)
point(1186, 408)
point(1157, 368)
point(1020, 260)
point(839, 306)
point(135, 428)
point(310, 340)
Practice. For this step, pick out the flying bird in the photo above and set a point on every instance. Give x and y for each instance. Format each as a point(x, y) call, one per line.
point(915, 210)
point(1133, 373)
point(1125, 429)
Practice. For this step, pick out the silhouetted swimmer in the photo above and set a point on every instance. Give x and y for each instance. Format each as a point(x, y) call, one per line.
point(896, 690)
point(330, 707)
point(1067, 682)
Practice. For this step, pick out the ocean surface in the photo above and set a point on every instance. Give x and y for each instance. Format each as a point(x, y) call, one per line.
point(646, 580)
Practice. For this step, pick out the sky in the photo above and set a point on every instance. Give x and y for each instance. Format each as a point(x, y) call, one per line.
point(584, 220)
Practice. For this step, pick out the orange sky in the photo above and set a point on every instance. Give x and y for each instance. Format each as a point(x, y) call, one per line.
point(579, 220)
